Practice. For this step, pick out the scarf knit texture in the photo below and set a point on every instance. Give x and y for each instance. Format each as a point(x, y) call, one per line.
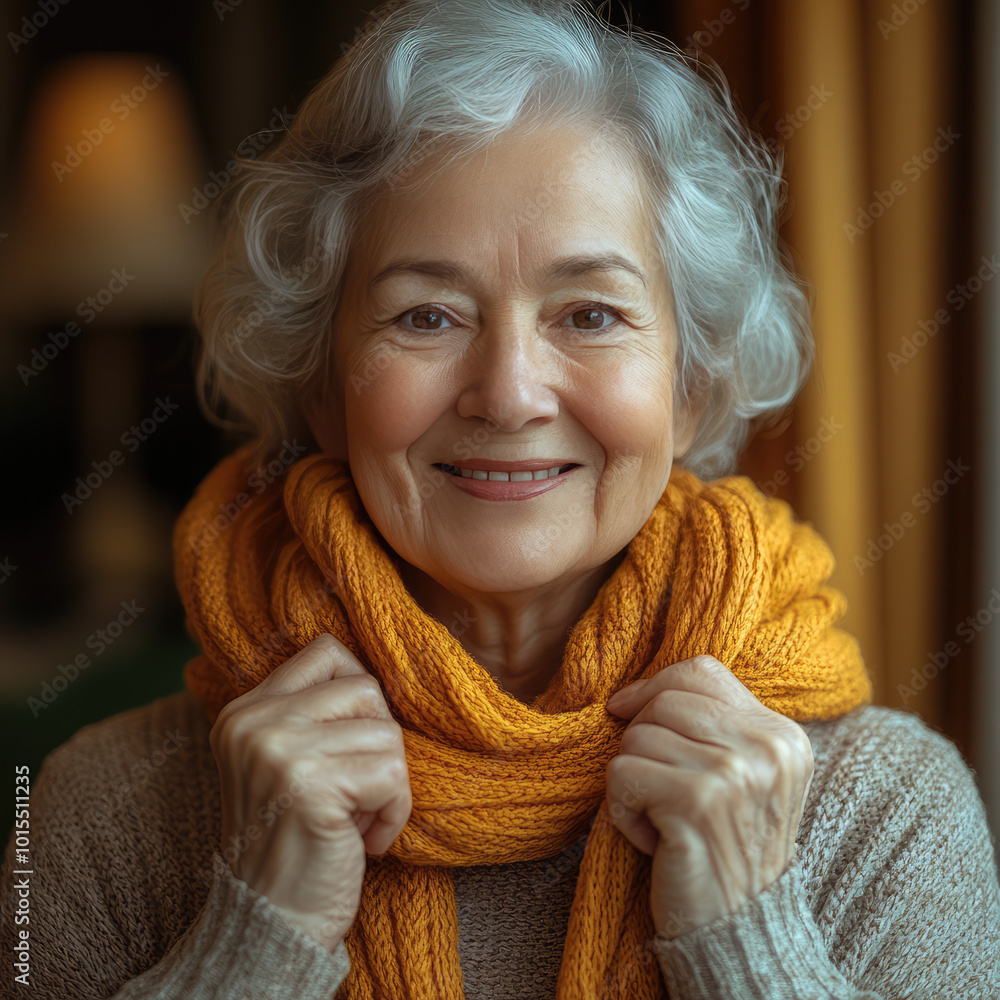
point(265, 564)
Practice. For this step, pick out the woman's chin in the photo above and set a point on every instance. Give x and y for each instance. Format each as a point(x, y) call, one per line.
point(496, 569)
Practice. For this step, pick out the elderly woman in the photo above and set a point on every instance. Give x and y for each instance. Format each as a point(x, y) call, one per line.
point(504, 691)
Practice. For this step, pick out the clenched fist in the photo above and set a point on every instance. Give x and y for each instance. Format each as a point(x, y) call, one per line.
point(316, 731)
point(709, 782)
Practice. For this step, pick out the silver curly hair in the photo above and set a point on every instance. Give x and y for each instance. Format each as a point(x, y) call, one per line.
point(453, 76)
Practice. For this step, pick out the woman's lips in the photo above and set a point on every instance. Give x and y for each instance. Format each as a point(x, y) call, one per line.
point(486, 489)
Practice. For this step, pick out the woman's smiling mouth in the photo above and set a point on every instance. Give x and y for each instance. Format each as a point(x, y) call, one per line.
point(502, 472)
point(490, 480)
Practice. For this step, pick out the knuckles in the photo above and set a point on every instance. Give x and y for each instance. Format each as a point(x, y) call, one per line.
point(390, 731)
point(222, 720)
point(633, 736)
point(367, 694)
point(618, 770)
point(396, 769)
point(703, 661)
point(698, 665)
point(325, 641)
point(734, 770)
point(787, 750)
point(266, 745)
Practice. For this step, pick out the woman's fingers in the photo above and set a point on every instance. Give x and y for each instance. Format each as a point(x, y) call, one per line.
point(710, 782)
point(325, 658)
point(313, 775)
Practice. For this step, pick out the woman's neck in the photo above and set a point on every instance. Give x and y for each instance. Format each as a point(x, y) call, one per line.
point(520, 636)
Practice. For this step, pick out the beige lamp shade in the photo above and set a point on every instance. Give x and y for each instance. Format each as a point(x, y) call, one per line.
point(108, 160)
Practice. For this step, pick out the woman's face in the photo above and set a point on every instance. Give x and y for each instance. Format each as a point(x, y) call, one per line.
point(471, 334)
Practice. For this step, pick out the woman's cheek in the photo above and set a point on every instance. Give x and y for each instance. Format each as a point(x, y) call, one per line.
point(625, 405)
point(392, 405)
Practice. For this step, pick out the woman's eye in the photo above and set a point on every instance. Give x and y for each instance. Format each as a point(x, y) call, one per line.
point(590, 314)
point(429, 323)
point(589, 318)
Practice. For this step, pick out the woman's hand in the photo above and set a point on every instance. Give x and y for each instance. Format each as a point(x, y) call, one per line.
point(313, 774)
point(711, 784)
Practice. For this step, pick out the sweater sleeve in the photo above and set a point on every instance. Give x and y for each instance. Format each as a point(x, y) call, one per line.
point(908, 904)
point(123, 899)
point(239, 947)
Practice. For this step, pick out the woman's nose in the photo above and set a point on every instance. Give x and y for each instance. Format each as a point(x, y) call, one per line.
point(509, 376)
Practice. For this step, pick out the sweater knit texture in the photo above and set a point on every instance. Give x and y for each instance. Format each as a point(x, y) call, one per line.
point(717, 568)
point(892, 892)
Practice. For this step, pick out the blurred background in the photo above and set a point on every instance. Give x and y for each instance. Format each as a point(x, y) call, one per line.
point(119, 125)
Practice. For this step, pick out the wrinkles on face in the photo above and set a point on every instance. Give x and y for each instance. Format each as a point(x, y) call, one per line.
point(507, 350)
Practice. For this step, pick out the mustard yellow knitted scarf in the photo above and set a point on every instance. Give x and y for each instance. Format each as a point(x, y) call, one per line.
point(266, 563)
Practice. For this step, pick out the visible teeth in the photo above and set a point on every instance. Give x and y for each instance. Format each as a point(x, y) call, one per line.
point(501, 477)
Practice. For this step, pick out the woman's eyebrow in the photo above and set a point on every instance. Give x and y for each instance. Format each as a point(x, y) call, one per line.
point(565, 267)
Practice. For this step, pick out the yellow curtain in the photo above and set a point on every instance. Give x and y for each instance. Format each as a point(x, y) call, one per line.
point(857, 95)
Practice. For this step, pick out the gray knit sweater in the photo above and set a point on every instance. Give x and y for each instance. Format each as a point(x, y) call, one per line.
point(892, 891)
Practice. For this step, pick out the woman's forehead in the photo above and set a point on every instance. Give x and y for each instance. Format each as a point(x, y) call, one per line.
point(537, 198)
